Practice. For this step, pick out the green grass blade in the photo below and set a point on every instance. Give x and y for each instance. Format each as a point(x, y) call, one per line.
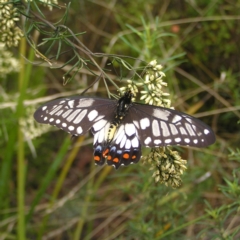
point(49, 176)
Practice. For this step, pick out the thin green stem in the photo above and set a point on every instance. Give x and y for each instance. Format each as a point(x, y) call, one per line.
point(51, 173)
point(84, 212)
point(66, 168)
point(21, 231)
point(23, 80)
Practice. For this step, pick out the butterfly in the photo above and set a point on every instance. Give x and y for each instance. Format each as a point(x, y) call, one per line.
point(121, 127)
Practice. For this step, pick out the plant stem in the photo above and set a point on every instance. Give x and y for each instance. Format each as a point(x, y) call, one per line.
point(20, 150)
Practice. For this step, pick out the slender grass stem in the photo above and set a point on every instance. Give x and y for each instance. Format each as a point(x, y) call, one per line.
point(85, 208)
point(23, 79)
point(21, 231)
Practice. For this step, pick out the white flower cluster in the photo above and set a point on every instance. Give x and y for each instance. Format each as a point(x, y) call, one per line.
point(152, 83)
point(10, 33)
point(167, 166)
point(29, 126)
point(8, 63)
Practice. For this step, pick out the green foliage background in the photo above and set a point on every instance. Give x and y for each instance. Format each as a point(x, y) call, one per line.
point(49, 185)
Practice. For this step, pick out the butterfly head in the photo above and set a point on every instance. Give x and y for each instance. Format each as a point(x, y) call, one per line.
point(128, 95)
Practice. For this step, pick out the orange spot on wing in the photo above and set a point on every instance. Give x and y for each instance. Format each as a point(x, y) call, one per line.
point(116, 160)
point(109, 157)
point(134, 157)
point(105, 153)
point(97, 158)
point(126, 156)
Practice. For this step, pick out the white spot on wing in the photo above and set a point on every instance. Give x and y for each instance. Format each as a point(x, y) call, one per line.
point(183, 131)
point(176, 118)
point(123, 141)
point(128, 144)
point(119, 138)
point(55, 110)
point(189, 129)
point(161, 113)
point(67, 113)
point(177, 140)
point(119, 134)
point(168, 140)
point(44, 108)
point(144, 123)
point(71, 103)
point(206, 131)
point(73, 115)
point(129, 129)
point(99, 125)
point(155, 128)
point(101, 136)
point(135, 142)
point(147, 140)
point(195, 141)
point(157, 142)
point(51, 119)
point(79, 130)
point(71, 128)
point(58, 121)
point(92, 115)
point(45, 119)
point(173, 129)
point(165, 130)
point(64, 124)
point(59, 113)
point(186, 140)
point(80, 116)
point(85, 102)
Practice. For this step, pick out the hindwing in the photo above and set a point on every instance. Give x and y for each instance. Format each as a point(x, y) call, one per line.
point(124, 148)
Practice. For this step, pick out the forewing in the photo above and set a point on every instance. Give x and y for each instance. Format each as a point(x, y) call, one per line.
point(159, 126)
point(75, 115)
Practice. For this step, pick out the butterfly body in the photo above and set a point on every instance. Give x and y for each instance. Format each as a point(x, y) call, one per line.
point(121, 127)
point(123, 105)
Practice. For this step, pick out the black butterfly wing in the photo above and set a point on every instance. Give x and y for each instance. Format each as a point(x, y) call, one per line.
point(76, 115)
point(158, 126)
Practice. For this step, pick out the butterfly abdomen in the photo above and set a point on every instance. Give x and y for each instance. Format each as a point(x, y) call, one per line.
point(112, 129)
